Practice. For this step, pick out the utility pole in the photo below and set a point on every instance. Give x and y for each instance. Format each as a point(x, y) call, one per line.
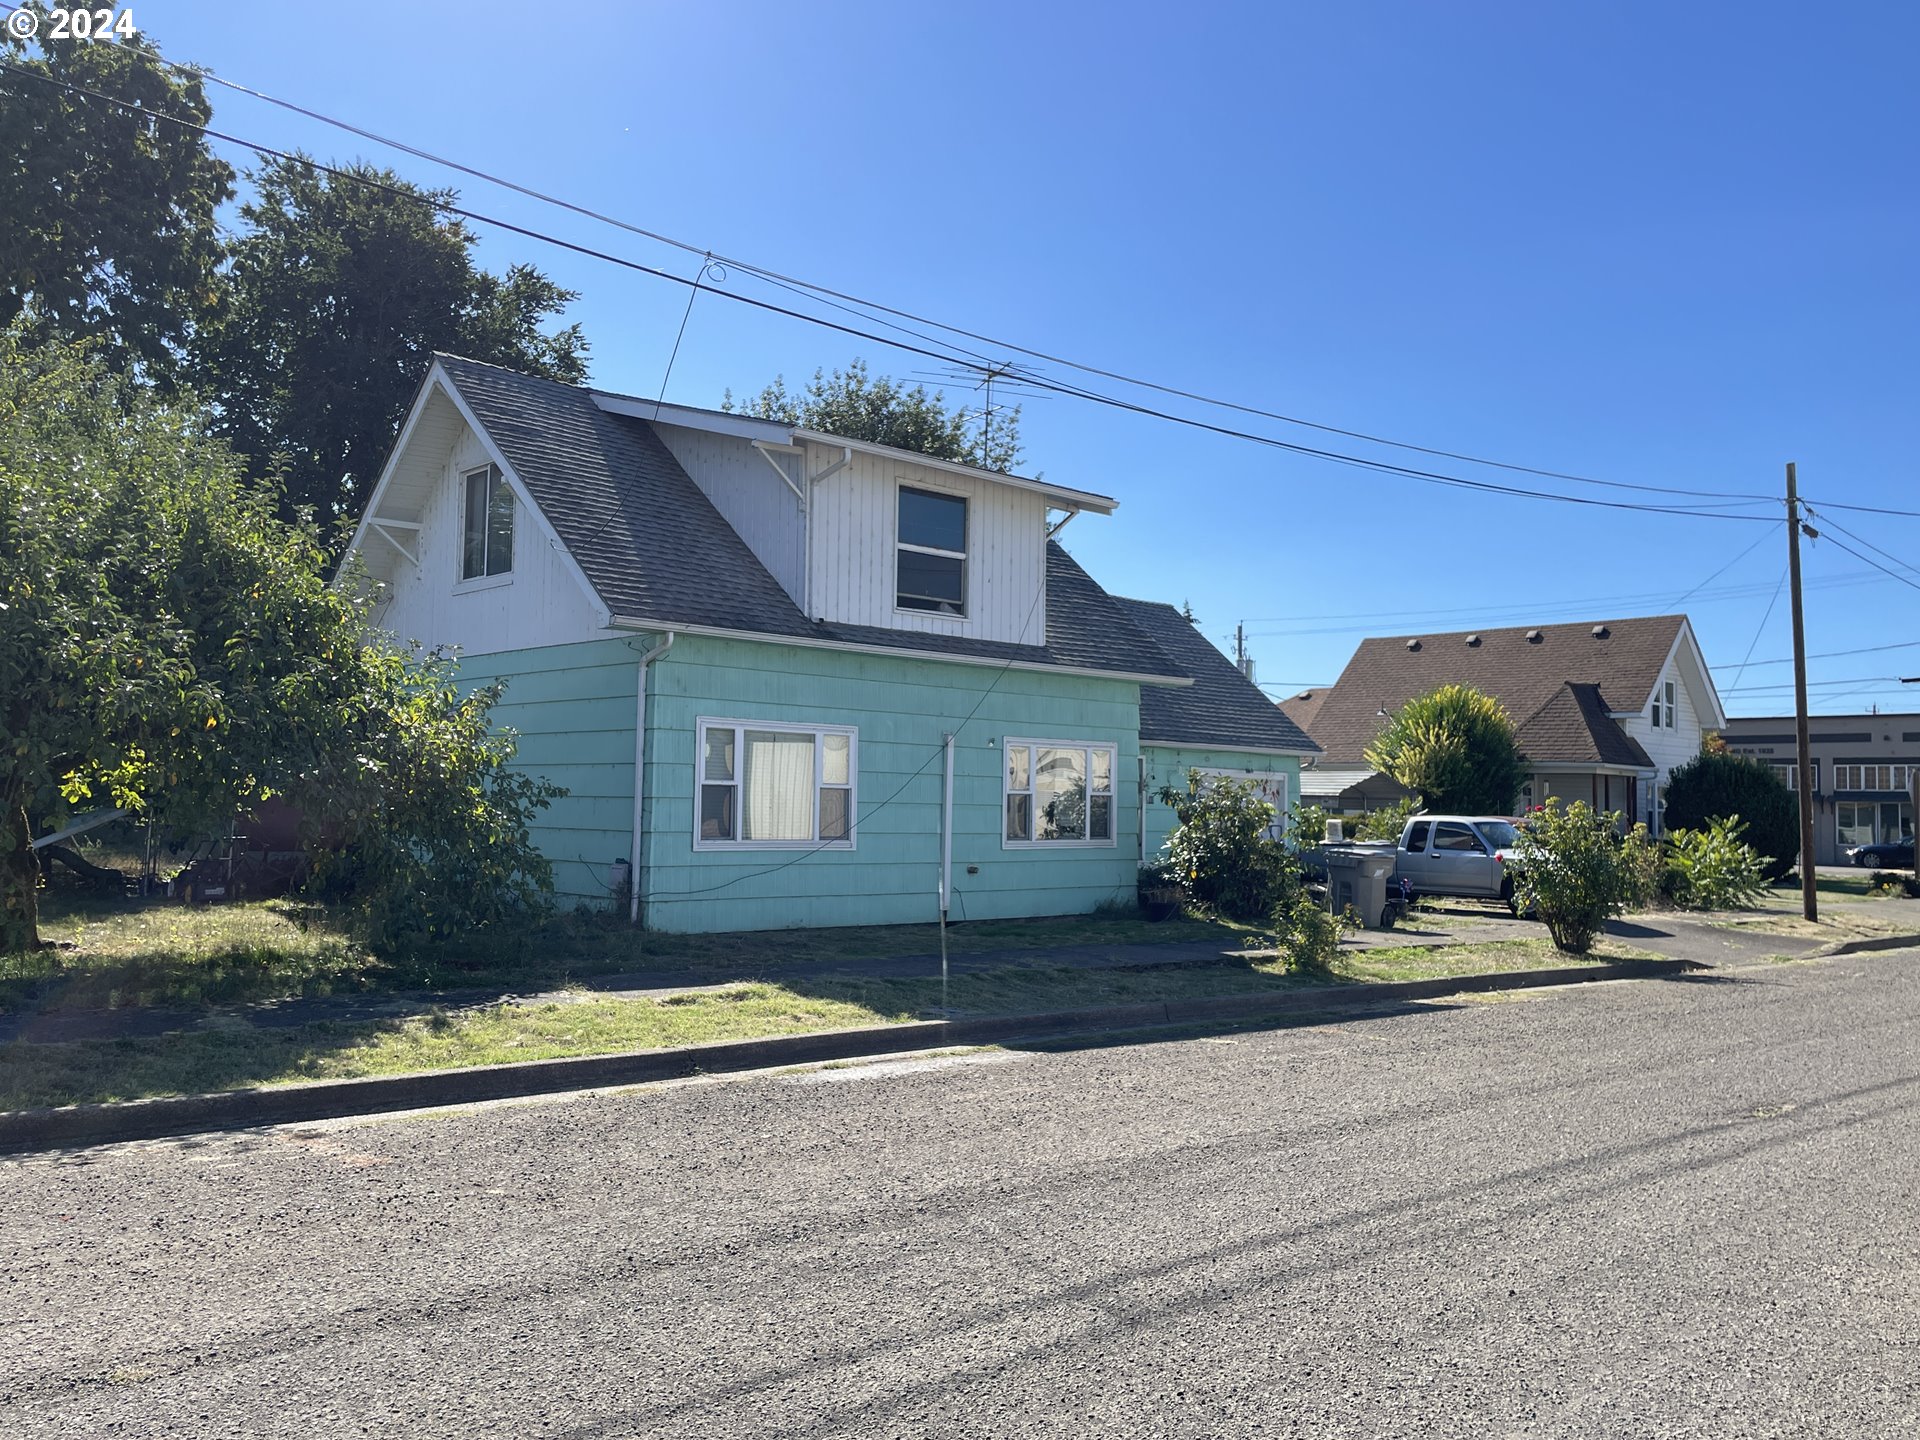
point(1809, 897)
point(1240, 646)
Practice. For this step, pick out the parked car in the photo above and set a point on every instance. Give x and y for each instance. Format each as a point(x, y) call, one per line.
point(1886, 855)
point(1462, 855)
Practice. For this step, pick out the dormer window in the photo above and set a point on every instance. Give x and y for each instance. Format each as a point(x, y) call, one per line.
point(931, 569)
point(487, 548)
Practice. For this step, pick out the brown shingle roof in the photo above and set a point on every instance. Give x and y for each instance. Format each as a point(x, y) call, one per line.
point(1303, 709)
point(1523, 674)
point(1574, 726)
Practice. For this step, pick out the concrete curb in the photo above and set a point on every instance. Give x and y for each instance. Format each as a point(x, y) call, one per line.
point(73, 1125)
point(1863, 946)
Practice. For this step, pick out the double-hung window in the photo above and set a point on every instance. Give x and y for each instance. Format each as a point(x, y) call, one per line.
point(487, 544)
point(931, 554)
point(773, 786)
point(1059, 794)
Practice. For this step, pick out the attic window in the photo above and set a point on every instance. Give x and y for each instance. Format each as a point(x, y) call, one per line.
point(1473, 642)
point(931, 555)
point(1600, 632)
point(487, 548)
point(1533, 637)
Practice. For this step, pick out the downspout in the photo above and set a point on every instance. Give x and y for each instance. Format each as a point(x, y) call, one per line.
point(946, 830)
point(634, 871)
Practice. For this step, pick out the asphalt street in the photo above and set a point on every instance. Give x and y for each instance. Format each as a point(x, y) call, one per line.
point(1663, 1208)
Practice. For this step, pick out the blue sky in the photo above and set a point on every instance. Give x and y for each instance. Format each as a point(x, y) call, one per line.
point(1666, 245)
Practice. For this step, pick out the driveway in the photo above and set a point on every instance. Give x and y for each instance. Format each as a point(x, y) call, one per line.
point(1679, 1207)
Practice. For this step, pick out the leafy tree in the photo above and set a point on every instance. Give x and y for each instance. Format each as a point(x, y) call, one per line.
point(1455, 748)
point(852, 403)
point(168, 645)
point(1724, 786)
point(107, 213)
point(1574, 869)
point(338, 292)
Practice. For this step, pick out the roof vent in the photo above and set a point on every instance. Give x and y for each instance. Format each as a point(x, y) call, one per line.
point(1600, 632)
point(1413, 644)
point(1533, 637)
point(1473, 642)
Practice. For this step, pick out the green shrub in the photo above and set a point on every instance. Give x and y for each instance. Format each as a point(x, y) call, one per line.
point(1575, 870)
point(1308, 825)
point(1220, 848)
point(1713, 869)
point(1735, 787)
point(1386, 823)
point(1455, 748)
point(1307, 937)
point(1892, 882)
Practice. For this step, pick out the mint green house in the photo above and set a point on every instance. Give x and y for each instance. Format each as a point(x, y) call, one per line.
point(790, 679)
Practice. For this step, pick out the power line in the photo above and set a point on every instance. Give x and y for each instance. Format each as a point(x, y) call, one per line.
point(1835, 654)
point(1706, 512)
point(1827, 534)
point(1762, 626)
point(1867, 509)
point(1833, 524)
point(874, 310)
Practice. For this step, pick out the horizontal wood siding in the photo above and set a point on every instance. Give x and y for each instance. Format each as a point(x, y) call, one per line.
point(1167, 765)
point(901, 708)
point(573, 706)
point(855, 525)
point(751, 498)
point(542, 604)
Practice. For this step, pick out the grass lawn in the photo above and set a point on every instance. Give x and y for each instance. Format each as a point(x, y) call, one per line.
point(117, 954)
point(236, 1055)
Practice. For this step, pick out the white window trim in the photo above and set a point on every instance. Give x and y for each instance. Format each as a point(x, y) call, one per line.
point(963, 556)
point(482, 581)
point(1283, 812)
point(704, 723)
point(1113, 776)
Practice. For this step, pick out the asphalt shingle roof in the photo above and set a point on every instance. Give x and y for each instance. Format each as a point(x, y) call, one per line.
point(654, 548)
point(1524, 675)
point(1574, 726)
point(1222, 707)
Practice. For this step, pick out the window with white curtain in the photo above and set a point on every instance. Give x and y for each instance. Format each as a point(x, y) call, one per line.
point(770, 786)
point(1058, 793)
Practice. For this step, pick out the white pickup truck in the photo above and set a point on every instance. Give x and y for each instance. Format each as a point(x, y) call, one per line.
point(1457, 855)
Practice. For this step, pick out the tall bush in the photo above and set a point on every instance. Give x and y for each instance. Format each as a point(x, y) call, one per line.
point(1575, 870)
point(1220, 848)
point(1724, 786)
point(1713, 869)
point(1455, 748)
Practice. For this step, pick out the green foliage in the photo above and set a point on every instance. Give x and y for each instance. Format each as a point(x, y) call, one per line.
point(849, 402)
point(1724, 786)
point(1712, 869)
point(1576, 870)
point(1220, 849)
point(1385, 823)
point(338, 294)
point(434, 825)
point(1307, 937)
point(106, 214)
point(1308, 825)
point(168, 645)
point(1454, 748)
point(1892, 882)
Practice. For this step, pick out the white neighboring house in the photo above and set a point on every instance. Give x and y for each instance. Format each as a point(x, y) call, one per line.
point(1604, 711)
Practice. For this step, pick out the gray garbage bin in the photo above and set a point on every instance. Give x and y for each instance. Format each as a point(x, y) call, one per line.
point(1361, 876)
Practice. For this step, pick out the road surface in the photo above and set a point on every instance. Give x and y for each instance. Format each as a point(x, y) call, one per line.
point(1673, 1208)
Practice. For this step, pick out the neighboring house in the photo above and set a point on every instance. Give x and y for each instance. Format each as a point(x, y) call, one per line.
point(1222, 725)
point(754, 655)
point(1862, 773)
point(1603, 712)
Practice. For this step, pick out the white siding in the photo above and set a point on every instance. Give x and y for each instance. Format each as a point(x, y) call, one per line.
point(851, 550)
point(750, 497)
point(541, 603)
point(1672, 745)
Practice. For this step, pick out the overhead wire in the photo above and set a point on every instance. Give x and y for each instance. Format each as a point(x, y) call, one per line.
point(1718, 511)
point(874, 311)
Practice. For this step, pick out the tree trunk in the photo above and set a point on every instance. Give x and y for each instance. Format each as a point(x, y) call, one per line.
point(19, 885)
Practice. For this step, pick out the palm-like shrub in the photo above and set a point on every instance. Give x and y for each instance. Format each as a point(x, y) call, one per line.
point(1455, 748)
point(1713, 869)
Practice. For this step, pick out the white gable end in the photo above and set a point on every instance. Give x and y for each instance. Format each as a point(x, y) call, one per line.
point(412, 538)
